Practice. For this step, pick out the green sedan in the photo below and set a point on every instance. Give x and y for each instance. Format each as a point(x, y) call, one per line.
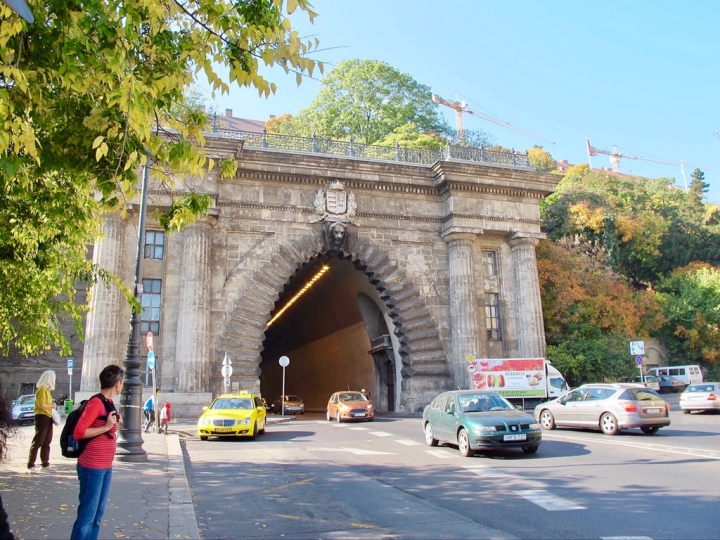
point(477, 420)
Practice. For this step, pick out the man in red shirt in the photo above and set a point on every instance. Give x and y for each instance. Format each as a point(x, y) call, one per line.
point(99, 423)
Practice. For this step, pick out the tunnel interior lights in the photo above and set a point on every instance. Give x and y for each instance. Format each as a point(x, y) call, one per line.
point(302, 291)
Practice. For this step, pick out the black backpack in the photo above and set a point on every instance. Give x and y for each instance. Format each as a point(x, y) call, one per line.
point(70, 447)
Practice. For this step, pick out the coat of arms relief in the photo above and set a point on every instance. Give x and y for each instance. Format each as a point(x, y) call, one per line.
point(336, 208)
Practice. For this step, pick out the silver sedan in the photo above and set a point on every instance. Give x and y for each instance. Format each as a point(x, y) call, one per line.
point(701, 397)
point(608, 407)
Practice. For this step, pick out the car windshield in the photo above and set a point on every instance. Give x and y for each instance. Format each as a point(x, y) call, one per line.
point(25, 400)
point(700, 388)
point(351, 396)
point(233, 403)
point(482, 403)
point(292, 398)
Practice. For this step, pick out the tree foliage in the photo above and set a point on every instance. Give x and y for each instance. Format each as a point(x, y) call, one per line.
point(367, 100)
point(616, 268)
point(86, 93)
point(541, 160)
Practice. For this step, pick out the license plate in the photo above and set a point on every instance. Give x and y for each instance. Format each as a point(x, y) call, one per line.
point(652, 411)
point(518, 437)
point(359, 414)
point(223, 430)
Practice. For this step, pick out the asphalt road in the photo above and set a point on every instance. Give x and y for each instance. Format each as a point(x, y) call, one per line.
point(310, 478)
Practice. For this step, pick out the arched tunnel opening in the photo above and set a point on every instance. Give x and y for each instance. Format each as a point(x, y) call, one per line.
point(330, 322)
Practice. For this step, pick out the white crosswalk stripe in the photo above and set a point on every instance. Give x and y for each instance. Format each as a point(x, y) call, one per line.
point(548, 501)
point(442, 454)
point(486, 472)
point(359, 428)
point(408, 442)
point(381, 434)
point(356, 451)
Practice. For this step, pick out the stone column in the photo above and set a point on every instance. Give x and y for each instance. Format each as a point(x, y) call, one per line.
point(192, 354)
point(464, 327)
point(102, 328)
point(528, 305)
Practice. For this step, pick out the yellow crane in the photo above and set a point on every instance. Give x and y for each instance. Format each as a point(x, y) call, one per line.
point(461, 107)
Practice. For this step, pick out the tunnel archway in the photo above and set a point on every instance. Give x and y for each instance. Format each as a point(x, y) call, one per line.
point(412, 334)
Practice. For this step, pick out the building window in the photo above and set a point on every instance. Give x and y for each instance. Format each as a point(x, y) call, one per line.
point(490, 263)
point(492, 316)
point(154, 244)
point(150, 319)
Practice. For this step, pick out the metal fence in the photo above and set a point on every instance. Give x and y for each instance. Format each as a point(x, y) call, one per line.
point(370, 151)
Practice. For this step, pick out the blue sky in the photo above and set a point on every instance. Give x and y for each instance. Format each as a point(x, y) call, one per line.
point(642, 75)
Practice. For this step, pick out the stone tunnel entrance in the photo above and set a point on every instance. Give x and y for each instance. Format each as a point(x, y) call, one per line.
point(330, 321)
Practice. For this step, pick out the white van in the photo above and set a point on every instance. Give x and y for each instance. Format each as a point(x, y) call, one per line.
point(686, 374)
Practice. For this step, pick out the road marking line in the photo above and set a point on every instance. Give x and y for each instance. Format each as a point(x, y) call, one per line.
point(486, 472)
point(625, 538)
point(710, 454)
point(359, 428)
point(548, 501)
point(408, 442)
point(381, 434)
point(289, 485)
point(356, 451)
point(441, 454)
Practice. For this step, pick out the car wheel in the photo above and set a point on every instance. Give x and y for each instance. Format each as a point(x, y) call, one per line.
point(254, 432)
point(337, 417)
point(203, 437)
point(547, 420)
point(530, 449)
point(650, 430)
point(464, 444)
point(686, 411)
point(429, 439)
point(608, 424)
point(327, 414)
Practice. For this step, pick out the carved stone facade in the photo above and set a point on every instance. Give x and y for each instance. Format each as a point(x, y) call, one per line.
point(421, 235)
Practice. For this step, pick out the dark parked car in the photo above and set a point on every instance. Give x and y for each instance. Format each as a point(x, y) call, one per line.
point(670, 385)
point(476, 420)
point(293, 405)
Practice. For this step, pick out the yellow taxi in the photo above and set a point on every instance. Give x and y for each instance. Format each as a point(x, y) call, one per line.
point(233, 415)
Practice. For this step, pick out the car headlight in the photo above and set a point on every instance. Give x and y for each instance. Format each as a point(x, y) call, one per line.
point(534, 426)
point(204, 421)
point(242, 421)
point(369, 405)
point(483, 429)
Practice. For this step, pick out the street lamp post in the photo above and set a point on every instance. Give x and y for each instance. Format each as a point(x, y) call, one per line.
point(130, 439)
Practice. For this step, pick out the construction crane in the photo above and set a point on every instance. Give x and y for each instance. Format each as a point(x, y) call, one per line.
point(461, 107)
point(615, 160)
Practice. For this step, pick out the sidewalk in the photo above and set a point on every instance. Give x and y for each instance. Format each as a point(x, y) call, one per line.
point(148, 500)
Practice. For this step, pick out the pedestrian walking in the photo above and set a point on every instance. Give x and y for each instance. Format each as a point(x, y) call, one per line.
point(164, 418)
point(44, 406)
point(7, 430)
point(149, 411)
point(99, 423)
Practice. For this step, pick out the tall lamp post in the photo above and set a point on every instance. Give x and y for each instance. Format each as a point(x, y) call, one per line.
point(130, 439)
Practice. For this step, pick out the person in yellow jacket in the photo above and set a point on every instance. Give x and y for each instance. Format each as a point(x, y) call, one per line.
point(44, 406)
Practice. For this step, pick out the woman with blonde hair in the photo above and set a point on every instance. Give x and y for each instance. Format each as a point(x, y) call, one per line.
point(44, 406)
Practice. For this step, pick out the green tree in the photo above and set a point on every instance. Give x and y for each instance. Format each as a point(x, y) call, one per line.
point(690, 299)
point(698, 186)
point(367, 100)
point(409, 136)
point(85, 93)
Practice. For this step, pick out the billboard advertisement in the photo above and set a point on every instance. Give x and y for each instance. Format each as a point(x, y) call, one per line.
point(509, 377)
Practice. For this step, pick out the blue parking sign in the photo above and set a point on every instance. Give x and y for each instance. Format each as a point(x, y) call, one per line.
point(151, 359)
point(71, 360)
point(638, 360)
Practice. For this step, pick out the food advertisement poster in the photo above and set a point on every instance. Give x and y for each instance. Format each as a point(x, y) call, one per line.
point(510, 377)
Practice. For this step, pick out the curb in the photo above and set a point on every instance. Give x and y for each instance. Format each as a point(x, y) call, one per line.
point(182, 522)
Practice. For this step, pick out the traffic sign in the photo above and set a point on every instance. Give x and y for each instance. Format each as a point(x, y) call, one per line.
point(149, 341)
point(639, 360)
point(284, 361)
point(151, 359)
point(226, 361)
point(226, 371)
point(70, 361)
point(637, 347)
point(471, 368)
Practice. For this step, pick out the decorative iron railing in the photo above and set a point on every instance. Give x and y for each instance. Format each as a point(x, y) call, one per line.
point(371, 151)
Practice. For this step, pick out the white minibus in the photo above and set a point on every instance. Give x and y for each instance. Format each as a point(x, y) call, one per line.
point(686, 374)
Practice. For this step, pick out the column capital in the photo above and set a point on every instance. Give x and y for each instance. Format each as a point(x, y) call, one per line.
point(454, 236)
point(524, 238)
